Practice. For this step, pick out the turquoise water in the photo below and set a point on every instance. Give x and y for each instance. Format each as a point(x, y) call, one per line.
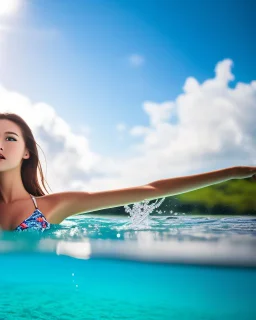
point(182, 267)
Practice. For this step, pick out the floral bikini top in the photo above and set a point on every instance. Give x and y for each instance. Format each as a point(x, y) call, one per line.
point(36, 221)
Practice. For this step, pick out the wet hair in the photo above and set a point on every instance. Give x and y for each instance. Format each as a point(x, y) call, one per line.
point(31, 166)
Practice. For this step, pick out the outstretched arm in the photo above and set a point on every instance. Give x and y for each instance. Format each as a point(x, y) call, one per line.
point(173, 186)
point(66, 204)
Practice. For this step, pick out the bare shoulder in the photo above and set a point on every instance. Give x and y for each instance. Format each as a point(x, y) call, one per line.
point(58, 206)
point(49, 205)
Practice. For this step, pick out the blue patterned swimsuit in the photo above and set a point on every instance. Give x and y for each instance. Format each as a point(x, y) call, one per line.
point(36, 221)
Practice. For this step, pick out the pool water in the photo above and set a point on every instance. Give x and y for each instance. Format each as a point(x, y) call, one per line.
point(89, 267)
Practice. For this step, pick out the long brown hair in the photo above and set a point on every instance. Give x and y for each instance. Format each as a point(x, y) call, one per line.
point(31, 166)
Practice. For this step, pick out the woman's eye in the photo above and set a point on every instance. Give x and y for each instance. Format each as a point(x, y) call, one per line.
point(11, 138)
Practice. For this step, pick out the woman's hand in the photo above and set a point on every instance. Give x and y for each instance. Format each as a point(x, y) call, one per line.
point(242, 172)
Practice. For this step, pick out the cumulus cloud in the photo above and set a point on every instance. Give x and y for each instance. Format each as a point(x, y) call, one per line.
point(208, 126)
point(215, 126)
point(68, 155)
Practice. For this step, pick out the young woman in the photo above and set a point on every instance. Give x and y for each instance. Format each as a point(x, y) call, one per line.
point(24, 205)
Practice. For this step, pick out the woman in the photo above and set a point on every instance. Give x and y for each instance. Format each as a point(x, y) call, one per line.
point(24, 205)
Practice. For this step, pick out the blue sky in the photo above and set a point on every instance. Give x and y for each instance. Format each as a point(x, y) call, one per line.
point(98, 62)
point(84, 72)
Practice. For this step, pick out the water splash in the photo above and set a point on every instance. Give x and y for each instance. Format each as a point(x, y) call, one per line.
point(140, 212)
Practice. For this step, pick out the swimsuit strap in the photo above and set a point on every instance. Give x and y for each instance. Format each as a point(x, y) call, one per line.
point(34, 200)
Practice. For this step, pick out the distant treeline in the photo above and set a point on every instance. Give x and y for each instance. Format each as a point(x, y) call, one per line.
point(233, 197)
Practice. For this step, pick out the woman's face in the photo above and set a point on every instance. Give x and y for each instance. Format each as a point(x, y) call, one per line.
point(12, 146)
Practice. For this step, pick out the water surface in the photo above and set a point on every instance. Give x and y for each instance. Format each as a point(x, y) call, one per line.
point(95, 267)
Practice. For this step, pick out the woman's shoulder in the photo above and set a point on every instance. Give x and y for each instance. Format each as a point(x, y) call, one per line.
point(50, 205)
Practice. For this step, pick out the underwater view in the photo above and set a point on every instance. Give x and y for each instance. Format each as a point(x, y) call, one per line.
point(139, 266)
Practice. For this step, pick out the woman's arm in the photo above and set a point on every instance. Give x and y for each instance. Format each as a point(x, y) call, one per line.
point(173, 186)
point(66, 204)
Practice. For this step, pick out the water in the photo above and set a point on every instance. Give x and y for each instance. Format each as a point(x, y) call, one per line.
point(165, 267)
point(140, 212)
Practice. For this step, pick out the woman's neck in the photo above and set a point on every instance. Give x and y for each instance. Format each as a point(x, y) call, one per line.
point(11, 188)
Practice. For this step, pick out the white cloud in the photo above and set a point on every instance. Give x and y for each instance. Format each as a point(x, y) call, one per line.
point(136, 60)
point(158, 113)
point(68, 155)
point(215, 128)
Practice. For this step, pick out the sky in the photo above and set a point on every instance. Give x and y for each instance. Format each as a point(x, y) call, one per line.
point(121, 93)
